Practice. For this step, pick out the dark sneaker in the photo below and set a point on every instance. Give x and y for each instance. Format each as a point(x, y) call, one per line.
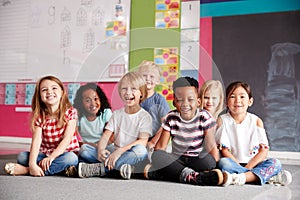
point(126, 171)
point(282, 178)
point(207, 178)
point(71, 171)
point(89, 170)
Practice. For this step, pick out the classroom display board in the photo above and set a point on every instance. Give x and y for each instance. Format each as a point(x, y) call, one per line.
point(75, 40)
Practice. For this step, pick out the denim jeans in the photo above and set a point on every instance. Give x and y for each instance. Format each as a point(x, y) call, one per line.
point(132, 156)
point(264, 170)
point(89, 153)
point(58, 165)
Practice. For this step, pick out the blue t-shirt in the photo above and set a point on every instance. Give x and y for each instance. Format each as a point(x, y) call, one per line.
point(91, 131)
point(157, 107)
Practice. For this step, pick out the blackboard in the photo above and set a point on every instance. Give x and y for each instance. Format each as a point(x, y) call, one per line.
point(76, 40)
point(243, 49)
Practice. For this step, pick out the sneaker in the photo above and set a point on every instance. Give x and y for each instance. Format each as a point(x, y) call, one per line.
point(90, 170)
point(233, 179)
point(126, 171)
point(71, 171)
point(207, 178)
point(284, 177)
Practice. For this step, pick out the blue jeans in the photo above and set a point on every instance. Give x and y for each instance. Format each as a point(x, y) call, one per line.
point(132, 156)
point(264, 170)
point(58, 165)
point(89, 153)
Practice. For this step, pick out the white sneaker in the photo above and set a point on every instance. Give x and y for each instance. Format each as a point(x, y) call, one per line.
point(126, 171)
point(284, 177)
point(233, 179)
point(86, 170)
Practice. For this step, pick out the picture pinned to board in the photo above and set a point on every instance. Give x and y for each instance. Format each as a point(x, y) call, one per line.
point(167, 59)
point(167, 14)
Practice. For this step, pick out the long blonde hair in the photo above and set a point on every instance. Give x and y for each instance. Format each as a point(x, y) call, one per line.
point(213, 85)
point(39, 108)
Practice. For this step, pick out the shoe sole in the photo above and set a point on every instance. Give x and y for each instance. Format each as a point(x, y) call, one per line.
point(226, 177)
point(286, 175)
point(126, 171)
point(79, 170)
point(220, 176)
point(146, 170)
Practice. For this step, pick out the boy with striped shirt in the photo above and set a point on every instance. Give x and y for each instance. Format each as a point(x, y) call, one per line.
point(189, 128)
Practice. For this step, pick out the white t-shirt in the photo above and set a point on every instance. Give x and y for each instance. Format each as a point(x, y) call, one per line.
point(127, 127)
point(243, 139)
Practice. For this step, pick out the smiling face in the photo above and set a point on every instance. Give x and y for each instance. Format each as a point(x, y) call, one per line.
point(51, 94)
point(91, 103)
point(186, 101)
point(130, 94)
point(151, 78)
point(211, 100)
point(238, 101)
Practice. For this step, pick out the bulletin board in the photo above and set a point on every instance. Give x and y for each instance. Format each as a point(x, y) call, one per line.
point(75, 40)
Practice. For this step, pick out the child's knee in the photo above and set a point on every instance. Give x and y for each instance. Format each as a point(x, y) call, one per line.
point(23, 158)
point(71, 158)
point(224, 163)
point(140, 150)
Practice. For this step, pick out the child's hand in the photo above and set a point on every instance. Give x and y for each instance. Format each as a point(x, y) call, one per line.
point(112, 158)
point(102, 155)
point(35, 170)
point(45, 163)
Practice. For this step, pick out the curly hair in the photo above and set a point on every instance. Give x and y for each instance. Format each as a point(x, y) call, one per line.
point(79, 98)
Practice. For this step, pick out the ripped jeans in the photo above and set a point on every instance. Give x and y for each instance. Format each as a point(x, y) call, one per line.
point(264, 170)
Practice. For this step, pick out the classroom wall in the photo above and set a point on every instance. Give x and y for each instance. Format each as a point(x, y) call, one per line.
point(15, 118)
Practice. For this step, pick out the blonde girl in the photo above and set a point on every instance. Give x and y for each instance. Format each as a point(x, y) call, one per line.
point(212, 97)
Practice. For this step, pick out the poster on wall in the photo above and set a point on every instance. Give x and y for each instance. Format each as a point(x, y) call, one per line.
point(167, 13)
point(167, 59)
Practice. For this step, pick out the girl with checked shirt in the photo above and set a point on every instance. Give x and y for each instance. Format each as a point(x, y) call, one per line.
point(54, 143)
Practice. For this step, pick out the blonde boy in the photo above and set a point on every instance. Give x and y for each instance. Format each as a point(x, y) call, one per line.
point(155, 103)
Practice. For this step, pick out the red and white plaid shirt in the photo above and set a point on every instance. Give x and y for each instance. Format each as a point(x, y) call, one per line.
point(52, 135)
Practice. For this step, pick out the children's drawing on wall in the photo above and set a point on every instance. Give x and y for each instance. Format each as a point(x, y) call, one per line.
point(117, 27)
point(119, 11)
point(89, 41)
point(65, 15)
point(87, 3)
point(51, 13)
point(167, 59)
point(81, 18)
point(98, 16)
point(282, 98)
point(65, 40)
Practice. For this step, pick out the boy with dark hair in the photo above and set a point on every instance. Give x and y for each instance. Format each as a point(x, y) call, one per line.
point(189, 128)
